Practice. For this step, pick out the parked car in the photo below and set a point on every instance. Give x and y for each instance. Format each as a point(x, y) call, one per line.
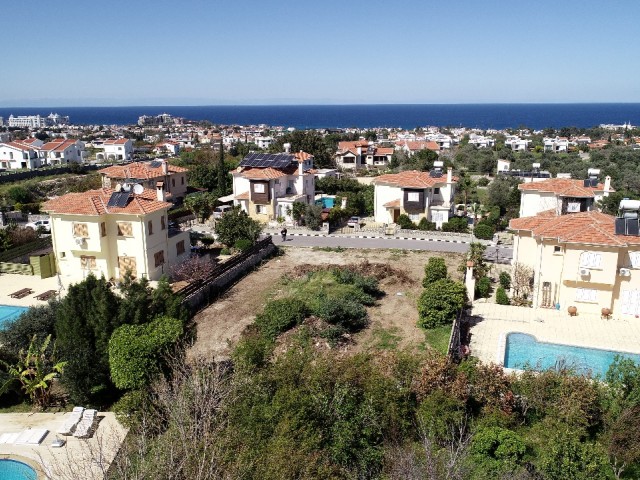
point(221, 210)
point(44, 225)
point(353, 222)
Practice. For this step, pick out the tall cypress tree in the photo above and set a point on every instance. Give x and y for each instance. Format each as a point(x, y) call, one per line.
point(222, 173)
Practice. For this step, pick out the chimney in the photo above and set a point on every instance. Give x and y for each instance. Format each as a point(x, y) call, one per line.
point(607, 185)
point(165, 167)
point(449, 175)
point(359, 150)
point(160, 191)
point(287, 148)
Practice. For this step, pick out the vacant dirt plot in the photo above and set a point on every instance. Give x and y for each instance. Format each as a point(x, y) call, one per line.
point(393, 319)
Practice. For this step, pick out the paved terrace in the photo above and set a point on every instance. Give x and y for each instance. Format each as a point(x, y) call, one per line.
point(86, 459)
point(491, 323)
point(12, 282)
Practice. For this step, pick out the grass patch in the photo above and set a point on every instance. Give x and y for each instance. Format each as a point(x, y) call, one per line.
point(385, 338)
point(337, 249)
point(438, 338)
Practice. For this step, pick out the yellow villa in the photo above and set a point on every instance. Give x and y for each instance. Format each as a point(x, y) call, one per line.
point(107, 233)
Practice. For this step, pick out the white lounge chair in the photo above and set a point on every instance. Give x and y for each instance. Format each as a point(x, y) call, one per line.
point(70, 421)
point(85, 428)
point(9, 438)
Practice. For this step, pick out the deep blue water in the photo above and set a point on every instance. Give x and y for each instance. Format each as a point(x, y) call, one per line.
point(537, 116)
point(525, 352)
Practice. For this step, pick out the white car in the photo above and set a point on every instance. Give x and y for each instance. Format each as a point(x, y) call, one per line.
point(221, 210)
point(353, 222)
point(40, 224)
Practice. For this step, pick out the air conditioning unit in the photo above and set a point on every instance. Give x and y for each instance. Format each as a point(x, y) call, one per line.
point(584, 272)
point(625, 272)
point(79, 241)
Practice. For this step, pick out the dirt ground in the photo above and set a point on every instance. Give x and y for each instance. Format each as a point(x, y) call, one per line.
point(392, 320)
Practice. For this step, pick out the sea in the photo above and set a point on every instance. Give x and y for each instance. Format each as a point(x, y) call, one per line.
point(406, 116)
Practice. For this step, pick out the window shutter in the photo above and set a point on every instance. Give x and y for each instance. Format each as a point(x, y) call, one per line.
point(81, 230)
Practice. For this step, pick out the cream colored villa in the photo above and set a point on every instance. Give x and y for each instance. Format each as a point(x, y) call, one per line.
point(418, 194)
point(579, 260)
point(266, 185)
point(149, 175)
point(107, 233)
point(563, 195)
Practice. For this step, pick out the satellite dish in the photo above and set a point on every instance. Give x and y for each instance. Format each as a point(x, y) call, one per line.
point(126, 187)
point(118, 187)
point(138, 189)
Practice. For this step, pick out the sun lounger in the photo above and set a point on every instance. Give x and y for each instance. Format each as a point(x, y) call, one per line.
point(70, 421)
point(86, 425)
point(32, 436)
point(21, 293)
point(46, 295)
point(8, 438)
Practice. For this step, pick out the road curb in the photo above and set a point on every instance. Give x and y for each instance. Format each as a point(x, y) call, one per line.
point(374, 237)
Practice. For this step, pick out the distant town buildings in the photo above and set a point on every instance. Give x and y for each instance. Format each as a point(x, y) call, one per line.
point(155, 120)
point(37, 121)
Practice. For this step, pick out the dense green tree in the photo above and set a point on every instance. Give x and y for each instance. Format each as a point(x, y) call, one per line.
point(313, 216)
point(135, 302)
point(434, 270)
point(236, 225)
point(309, 141)
point(566, 456)
point(440, 303)
point(39, 321)
point(201, 204)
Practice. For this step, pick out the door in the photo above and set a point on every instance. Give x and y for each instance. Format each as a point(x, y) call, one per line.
point(127, 263)
point(396, 214)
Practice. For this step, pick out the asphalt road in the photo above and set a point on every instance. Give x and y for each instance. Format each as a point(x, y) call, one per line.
point(501, 254)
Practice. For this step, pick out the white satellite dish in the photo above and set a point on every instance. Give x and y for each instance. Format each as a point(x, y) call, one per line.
point(118, 187)
point(138, 189)
point(126, 187)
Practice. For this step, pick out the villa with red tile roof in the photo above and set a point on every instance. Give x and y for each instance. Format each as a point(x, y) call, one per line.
point(20, 154)
point(410, 147)
point(417, 194)
point(106, 232)
point(266, 185)
point(580, 260)
point(562, 195)
point(362, 154)
point(62, 152)
point(149, 175)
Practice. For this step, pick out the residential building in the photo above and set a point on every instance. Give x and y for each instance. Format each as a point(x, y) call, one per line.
point(362, 154)
point(556, 145)
point(107, 233)
point(516, 143)
point(114, 150)
point(410, 147)
point(167, 147)
point(581, 260)
point(266, 185)
point(154, 120)
point(20, 154)
point(562, 195)
point(480, 141)
point(263, 142)
point(503, 165)
point(37, 121)
point(61, 152)
point(417, 194)
point(150, 175)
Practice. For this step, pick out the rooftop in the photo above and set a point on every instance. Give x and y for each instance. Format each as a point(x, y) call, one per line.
point(94, 202)
point(140, 170)
point(411, 179)
point(565, 187)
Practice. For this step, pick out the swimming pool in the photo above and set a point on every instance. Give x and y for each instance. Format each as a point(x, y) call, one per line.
point(525, 352)
point(326, 202)
point(14, 470)
point(8, 313)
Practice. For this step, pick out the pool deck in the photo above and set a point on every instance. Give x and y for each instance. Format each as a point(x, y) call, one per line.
point(491, 323)
point(79, 458)
point(11, 282)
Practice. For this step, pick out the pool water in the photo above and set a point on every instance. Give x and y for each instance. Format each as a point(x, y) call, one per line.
point(524, 352)
point(8, 313)
point(14, 470)
point(326, 202)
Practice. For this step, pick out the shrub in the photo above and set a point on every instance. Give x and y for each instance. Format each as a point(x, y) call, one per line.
point(440, 302)
point(505, 280)
point(368, 285)
point(501, 296)
point(434, 270)
point(483, 181)
point(252, 352)
point(243, 244)
point(343, 311)
point(39, 321)
point(426, 225)
point(484, 231)
point(456, 224)
point(130, 406)
point(483, 287)
point(280, 315)
point(313, 217)
point(405, 222)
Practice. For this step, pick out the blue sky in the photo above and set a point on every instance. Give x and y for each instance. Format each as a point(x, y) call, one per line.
point(198, 52)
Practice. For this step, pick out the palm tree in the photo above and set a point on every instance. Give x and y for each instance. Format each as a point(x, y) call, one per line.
point(34, 371)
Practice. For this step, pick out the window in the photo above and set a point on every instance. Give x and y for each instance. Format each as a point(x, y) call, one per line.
point(150, 227)
point(258, 187)
point(261, 209)
point(80, 230)
point(635, 259)
point(159, 258)
point(103, 229)
point(163, 223)
point(125, 229)
point(87, 262)
point(180, 247)
point(63, 254)
point(413, 197)
point(415, 217)
point(590, 260)
point(173, 182)
point(436, 191)
point(557, 250)
point(181, 180)
point(588, 295)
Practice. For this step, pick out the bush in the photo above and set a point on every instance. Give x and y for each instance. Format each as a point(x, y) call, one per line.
point(501, 296)
point(426, 225)
point(130, 406)
point(343, 311)
point(483, 287)
point(252, 352)
point(484, 231)
point(313, 217)
point(483, 181)
point(434, 270)
point(368, 285)
point(280, 315)
point(39, 321)
point(243, 244)
point(456, 224)
point(505, 280)
point(405, 222)
point(440, 302)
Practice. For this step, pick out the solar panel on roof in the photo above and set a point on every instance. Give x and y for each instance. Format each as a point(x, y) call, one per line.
point(118, 199)
point(113, 199)
point(155, 164)
point(265, 160)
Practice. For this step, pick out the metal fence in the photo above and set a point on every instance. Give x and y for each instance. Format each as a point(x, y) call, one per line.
point(454, 351)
